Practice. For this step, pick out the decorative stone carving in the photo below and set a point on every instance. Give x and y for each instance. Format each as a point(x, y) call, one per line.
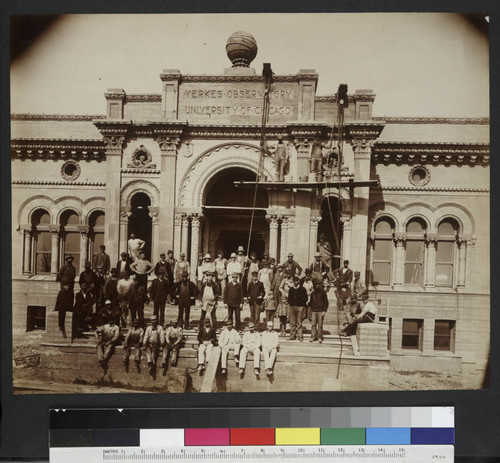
point(178, 220)
point(315, 220)
point(188, 150)
point(70, 170)
point(142, 158)
point(154, 216)
point(113, 142)
point(168, 144)
point(400, 238)
point(362, 147)
point(419, 175)
point(431, 239)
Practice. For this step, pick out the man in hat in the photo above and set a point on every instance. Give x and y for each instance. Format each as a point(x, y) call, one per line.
point(185, 292)
point(153, 340)
point(270, 342)
point(168, 270)
point(67, 273)
point(206, 267)
point(251, 343)
point(276, 283)
point(88, 276)
point(318, 302)
point(221, 270)
point(170, 275)
point(297, 299)
point(162, 264)
point(233, 266)
point(110, 291)
point(107, 336)
point(64, 302)
point(100, 281)
point(241, 259)
point(229, 339)
point(233, 298)
point(358, 287)
point(133, 340)
point(102, 259)
point(207, 339)
point(343, 283)
point(109, 312)
point(158, 292)
point(253, 264)
point(292, 265)
point(83, 308)
point(319, 269)
point(142, 268)
point(181, 266)
point(209, 293)
point(135, 246)
point(255, 293)
point(280, 159)
point(172, 343)
point(123, 264)
point(367, 315)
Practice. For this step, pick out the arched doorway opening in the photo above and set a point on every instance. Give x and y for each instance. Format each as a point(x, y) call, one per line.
point(329, 228)
point(140, 222)
point(228, 210)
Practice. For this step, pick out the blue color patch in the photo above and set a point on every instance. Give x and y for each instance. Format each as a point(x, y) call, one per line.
point(432, 436)
point(388, 436)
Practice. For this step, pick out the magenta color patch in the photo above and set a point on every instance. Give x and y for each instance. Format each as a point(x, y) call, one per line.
point(216, 436)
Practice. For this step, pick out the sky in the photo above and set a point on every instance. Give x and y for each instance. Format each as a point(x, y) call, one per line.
point(418, 64)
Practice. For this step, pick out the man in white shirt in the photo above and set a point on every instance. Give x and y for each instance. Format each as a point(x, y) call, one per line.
point(172, 343)
point(107, 336)
point(367, 315)
point(220, 269)
point(251, 343)
point(233, 266)
point(153, 339)
point(134, 246)
point(229, 340)
point(270, 341)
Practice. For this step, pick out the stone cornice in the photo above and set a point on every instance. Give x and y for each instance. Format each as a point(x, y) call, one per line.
point(147, 97)
point(55, 117)
point(57, 182)
point(229, 78)
point(365, 129)
point(54, 149)
point(131, 170)
point(434, 120)
point(431, 189)
point(331, 98)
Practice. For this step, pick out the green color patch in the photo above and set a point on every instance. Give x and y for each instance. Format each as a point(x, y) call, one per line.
point(343, 436)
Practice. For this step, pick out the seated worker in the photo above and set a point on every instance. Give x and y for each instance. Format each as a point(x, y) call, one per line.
point(107, 336)
point(270, 341)
point(251, 343)
point(207, 339)
point(173, 339)
point(229, 340)
point(153, 339)
point(133, 340)
point(367, 315)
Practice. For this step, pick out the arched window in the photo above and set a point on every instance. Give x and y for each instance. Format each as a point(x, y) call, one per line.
point(414, 254)
point(446, 252)
point(96, 233)
point(383, 247)
point(42, 242)
point(70, 237)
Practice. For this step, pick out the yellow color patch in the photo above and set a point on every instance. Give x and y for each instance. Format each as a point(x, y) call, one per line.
point(298, 436)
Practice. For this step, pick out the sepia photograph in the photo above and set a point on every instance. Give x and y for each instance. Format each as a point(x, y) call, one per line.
point(250, 202)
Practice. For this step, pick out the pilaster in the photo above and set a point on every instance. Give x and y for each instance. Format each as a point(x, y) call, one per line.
point(54, 261)
point(462, 242)
point(185, 234)
point(124, 216)
point(170, 94)
point(177, 235)
point(155, 222)
point(398, 265)
point(84, 245)
point(28, 249)
point(273, 235)
point(430, 270)
point(195, 244)
point(114, 103)
point(313, 237)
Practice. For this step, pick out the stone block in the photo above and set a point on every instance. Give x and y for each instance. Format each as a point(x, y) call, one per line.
point(372, 339)
point(52, 332)
point(446, 364)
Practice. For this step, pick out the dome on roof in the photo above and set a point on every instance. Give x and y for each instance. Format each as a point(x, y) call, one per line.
point(241, 49)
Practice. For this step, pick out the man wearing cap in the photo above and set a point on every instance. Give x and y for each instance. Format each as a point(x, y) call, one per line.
point(64, 302)
point(358, 287)
point(185, 292)
point(123, 264)
point(135, 246)
point(107, 335)
point(153, 340)
point(207, 339)
point(292, 265)
point(142, 268)
point(102, 259)
point(318, 301)
point(158, 292)
point(233, 298)
point(233, 266)
point(88, 276)
point(83, 308)
point(172, 343)
point(162, 264)
point(67, 273)
point(206, 267)
point(251, 343)
point(220, 269)
point(109, 312)
point(229, 339)
point(181, 266)
point(343, 283)
point(319, 269)
point(100, 281)
point(133, 340)
point(276, 283)
point(209, 293)
point(270, 342)
point(297, 299)
point(253, 264)
point(367, 315)
point(255, 293)
point(167, 266)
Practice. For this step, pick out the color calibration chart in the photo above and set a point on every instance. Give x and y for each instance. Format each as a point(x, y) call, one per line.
point(354, 434)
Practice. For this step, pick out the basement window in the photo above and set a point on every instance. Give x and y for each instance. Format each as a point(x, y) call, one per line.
point(35, 318)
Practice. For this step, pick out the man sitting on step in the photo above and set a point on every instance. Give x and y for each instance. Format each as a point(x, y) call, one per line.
point(153, 339)
point(229, 340)
point(251, 343)
point(207, 339)
point(270, 341)
point(133, 340)
point(107, 335)
point(172, 343)
point(367, 315)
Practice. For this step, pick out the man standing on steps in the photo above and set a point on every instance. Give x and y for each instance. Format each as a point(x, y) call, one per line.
point(233, 266)
point(233, 298)
point(142, 268)
point(64, 303)
point(270, 342)
point(89, 277)
point(251, 343)
point(186, 292)
point(102, 259)
point(229, 339)
point(256, 293)
point(153, 339)
point(135, 246)
point(158, 292)
point(318, 302)
point(123, 264)
point(209, 293)
point(133, 340)
point(107, 336)
point(297, 299)
point(170, 275)
point(221, 270)
point(344, 280)
point(292, 265)
point(67, 273)
point(181, 266)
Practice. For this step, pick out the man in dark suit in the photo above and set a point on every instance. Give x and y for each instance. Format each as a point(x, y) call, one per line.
point(102, 259)
point(123, 264)
point(64, 302)
point(88, 276)
point(185, 295)
point(297, 298)
point(67, 273)
point(158, 292)
point(255, 293)
point(233, 298)
point(343, 283)
point(83, 308)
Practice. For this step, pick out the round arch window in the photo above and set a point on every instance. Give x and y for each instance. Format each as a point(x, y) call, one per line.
point(70, 170)
point(419, 176)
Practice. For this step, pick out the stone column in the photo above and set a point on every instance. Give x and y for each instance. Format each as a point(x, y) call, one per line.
point(184, 234)
point(177, 235)
point(28, 252)
point(398, 268)
point(430, 261)
point(313, 237)
point(124, 216)
point(462, 255)
point(54, 261)
point(195, 244)
point(168, 147)
point(114, 151)
point(84, 245)
point(303, 148)
point(155, 248)
point(273, 235)
point(346, 240)
point(284, 236)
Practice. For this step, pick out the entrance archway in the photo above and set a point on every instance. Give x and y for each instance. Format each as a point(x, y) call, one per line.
point(228, 211)
point(140, 222)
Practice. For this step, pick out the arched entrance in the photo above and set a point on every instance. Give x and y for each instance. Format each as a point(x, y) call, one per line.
point(140, 222)
point(228, 211)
